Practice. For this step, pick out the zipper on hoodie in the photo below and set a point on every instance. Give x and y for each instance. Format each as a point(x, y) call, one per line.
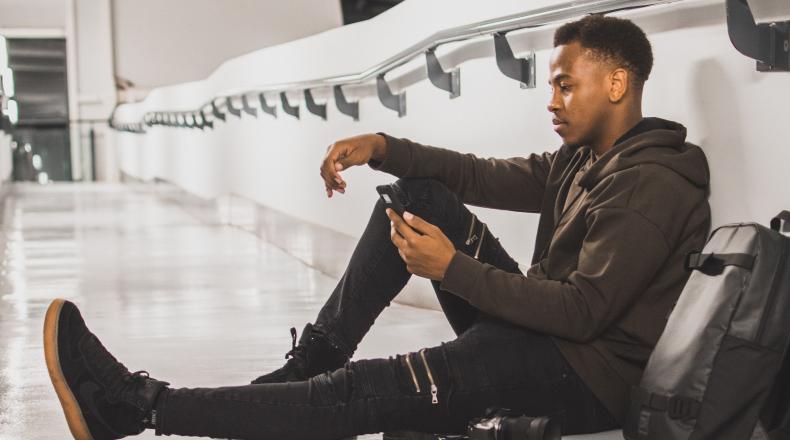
point(413, 375)
point(471, 228)
point(480, 241)
point(434, 389)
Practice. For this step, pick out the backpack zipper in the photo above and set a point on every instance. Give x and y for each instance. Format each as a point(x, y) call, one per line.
point(772, 294)
point(413, 376)
point(434, 389)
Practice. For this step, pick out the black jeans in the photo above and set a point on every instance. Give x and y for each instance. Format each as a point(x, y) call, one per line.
point(490, 363)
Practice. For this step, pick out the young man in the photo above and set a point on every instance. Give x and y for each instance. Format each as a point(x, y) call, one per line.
point(621, 202)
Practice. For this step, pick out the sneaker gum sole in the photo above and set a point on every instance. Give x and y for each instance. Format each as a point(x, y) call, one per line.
point(74, 417)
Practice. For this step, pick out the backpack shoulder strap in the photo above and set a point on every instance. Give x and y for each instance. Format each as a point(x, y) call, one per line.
point(776, 222)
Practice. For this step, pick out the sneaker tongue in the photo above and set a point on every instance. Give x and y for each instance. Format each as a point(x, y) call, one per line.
point(104, 366)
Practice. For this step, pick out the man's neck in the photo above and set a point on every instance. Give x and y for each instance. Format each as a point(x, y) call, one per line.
point(620, 127)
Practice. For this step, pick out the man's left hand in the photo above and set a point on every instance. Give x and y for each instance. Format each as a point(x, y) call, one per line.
point(424, 248)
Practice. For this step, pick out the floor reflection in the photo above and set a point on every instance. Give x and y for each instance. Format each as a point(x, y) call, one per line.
point(196, 304)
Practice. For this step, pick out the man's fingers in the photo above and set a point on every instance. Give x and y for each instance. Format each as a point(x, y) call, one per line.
point(402, 227)
point(331, 178)
point(397, 239)
point(419, 224)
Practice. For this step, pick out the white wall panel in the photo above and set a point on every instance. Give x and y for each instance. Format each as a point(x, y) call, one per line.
point(736, 114)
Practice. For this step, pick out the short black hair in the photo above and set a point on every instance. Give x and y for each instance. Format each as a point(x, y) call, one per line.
point(612, 39)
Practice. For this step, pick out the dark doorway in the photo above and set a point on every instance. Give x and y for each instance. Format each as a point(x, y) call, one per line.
point(42, 133)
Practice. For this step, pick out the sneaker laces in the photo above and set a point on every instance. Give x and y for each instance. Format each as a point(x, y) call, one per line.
point(114, 375)
point(294, 349)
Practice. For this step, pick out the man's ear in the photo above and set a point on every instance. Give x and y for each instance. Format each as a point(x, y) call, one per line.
point(618, 84)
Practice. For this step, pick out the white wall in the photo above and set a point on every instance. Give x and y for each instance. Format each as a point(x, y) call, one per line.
point(736, 114)
point(167, 42)
point(32, 14)
point(156, 42)
point(92, 75)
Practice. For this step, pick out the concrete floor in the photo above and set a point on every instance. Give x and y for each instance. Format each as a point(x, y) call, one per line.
point(193, 303)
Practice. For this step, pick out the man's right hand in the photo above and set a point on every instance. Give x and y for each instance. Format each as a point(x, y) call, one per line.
point(346, 153)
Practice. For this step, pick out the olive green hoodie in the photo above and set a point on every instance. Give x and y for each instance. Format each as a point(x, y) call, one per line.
point(608, 266)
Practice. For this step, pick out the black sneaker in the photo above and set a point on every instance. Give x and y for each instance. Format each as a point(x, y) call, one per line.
point(314, 355)
point(100, 397)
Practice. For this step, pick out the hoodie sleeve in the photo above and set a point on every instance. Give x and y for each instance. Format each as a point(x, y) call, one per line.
point(622, 252)
point(515, 184)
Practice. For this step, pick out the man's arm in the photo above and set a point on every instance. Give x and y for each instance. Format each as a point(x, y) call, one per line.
point(622, 252)
point(515, 184)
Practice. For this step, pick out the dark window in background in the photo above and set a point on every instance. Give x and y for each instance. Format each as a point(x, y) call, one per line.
point(41, 92)
point(360, 10)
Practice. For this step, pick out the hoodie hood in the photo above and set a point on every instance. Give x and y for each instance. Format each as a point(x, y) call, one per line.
point(665, 146)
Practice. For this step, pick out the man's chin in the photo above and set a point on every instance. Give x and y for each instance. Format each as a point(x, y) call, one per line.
point(573, 144)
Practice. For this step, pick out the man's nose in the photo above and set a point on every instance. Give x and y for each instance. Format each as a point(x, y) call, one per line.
point(552, 107)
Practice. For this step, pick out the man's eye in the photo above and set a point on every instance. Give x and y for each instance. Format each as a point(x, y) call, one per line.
point(565, 88)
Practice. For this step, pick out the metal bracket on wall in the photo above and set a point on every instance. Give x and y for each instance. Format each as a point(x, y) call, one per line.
point(215, 111)
point(270, 109)
point(345, 107)
point(449, 81)
point(520, 69)
point(287, 107)
point(390, 100)
point(206, 122)
point(231, 109)
point(198, 119)
point(247, 108)
point(768, 43)
point(312, 106)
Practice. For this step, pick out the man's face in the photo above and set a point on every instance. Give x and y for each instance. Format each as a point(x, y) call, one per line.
point(579, 94)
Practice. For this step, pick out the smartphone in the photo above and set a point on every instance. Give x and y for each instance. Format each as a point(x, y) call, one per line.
point(393, 198)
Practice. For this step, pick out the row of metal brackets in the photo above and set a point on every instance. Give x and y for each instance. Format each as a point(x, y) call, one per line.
point(767, 43)
point(133, 127)
point(520, 69)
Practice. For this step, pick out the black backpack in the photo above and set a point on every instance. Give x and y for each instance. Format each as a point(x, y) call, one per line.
point(720, 370)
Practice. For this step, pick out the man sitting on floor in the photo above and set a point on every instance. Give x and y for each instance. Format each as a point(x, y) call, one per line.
point(621, 203)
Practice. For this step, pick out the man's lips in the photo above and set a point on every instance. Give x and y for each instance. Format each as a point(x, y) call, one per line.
point(558, 124)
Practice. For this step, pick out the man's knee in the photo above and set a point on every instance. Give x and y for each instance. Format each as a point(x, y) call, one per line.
point(331, 387)
point(423, 193)
point(414, 186)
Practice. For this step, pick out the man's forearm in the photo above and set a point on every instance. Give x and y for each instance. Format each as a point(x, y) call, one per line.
point(379, 148)
point(515, 184)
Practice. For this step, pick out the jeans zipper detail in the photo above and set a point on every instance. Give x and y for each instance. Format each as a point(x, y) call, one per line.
point(434, 389)
point(471, 228)
point(480, 242)
point(413, 376)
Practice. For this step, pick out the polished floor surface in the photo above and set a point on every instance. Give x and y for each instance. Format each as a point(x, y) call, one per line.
point(193, 303)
